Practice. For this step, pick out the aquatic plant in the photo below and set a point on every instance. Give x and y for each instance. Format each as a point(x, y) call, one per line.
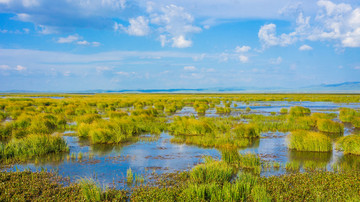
point(90, 190)
point(283, 111)
point(292, 166)
point(349, 144)
point(32, 146)
point(211, 171)
point(245, 131)
point(299, 111)
point(329, 126)
point(129, 176)
point(309, 141)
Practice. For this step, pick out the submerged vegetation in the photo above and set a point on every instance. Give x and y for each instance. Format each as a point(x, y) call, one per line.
point(31, 128)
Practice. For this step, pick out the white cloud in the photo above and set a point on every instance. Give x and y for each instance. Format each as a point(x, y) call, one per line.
point(20, 68)
point(276, 61)
point(199, 57)
point(5, 67)
point(68, 39)
point(173, 23)
point(189, 68)
point(4, 1)
point(30, 3)
point(339, 23)
point(268, 37)
point(101, 69)
point(242, 49)
point(95, 44)
point(181, 42)
point(357, 67)
point(86, 43)
point(138, 26)
point(243, 58)
point(305, 48)
point(83, 43)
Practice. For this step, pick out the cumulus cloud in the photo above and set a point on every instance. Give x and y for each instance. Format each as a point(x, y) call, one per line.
point(174, 25)
point(333, 22)
point(20, 68)
point(243, 58)
point(242, 49)
point(16, 68)
point(305, 48)
point(137, 26)
point(189, 68)
point(68, 39)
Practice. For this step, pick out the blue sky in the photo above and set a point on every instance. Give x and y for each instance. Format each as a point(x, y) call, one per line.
point(78, 45)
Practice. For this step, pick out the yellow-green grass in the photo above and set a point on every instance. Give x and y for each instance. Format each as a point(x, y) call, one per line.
point(349, 144)
point(299, 111)
point(211, 171)
point(309, 141)
point(329, 126)
point(32, 146)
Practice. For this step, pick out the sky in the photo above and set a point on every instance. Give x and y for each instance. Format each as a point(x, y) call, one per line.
point(79, 45)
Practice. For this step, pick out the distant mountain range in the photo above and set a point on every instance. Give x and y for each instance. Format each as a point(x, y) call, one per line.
point(346, 87)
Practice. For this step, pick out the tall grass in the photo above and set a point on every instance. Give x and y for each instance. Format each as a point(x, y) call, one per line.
point(245, 131)
point(212, 171)
point(329, 126)
point(299, 111)
point(309, 141)
point(90, 190)
point(33, 146)
point(349, 144)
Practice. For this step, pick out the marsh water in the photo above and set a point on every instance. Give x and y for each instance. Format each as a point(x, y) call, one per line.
point(155, 154)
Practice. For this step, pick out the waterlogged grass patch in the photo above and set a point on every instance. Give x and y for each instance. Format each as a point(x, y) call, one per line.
point(309, 141)
point(349, 144)
point(329, 126)
point(32, 146)
point(299, 111)
point(211, 171)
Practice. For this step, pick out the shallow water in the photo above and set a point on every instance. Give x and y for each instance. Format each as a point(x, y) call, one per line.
point(108, 164)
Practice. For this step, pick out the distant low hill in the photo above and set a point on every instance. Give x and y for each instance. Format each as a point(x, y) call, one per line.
point(346, 87)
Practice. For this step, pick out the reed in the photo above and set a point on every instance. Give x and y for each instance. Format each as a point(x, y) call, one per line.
point(129, 176)
point(309, 141)
point(329, 126)
point(349, 144)
point(32, 146)
point(212, 171)
point(299, 111)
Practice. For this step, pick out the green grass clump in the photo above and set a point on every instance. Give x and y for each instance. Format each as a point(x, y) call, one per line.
point(309, 141)
point(299, 111)
point(245, 131)
point(189, 126)
point(329, 126)
point(349, 144)
point(245, 188)
point(223, 110)
point(347, 114)
point(292, 166)
point(90, 190)
point(284, 111)
point(211, 171)
point(129, 176)
point(32, 146)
